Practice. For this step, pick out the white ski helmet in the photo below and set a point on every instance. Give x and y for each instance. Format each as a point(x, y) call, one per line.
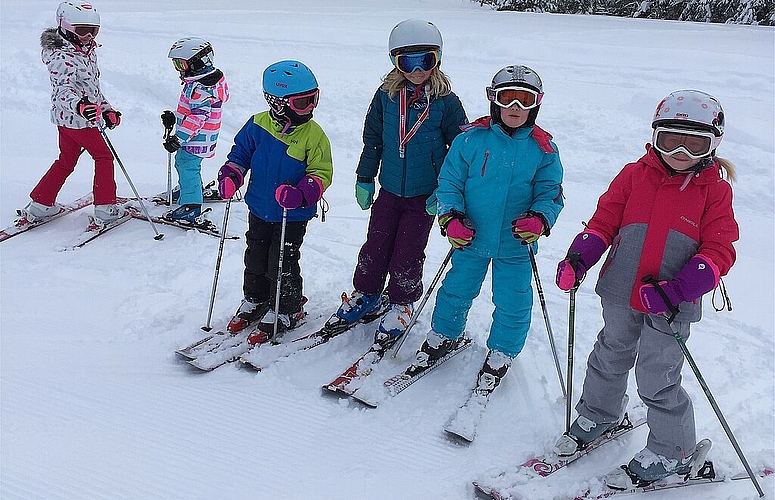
point(414, 33)
point(690, 109)
point(71, 14)
point(517, 76)
point(197, 52)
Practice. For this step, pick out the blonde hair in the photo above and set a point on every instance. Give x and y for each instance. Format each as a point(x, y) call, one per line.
point(440, 84)
point(727, 169)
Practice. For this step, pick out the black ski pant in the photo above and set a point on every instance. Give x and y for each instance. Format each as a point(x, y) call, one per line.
point(262, 258)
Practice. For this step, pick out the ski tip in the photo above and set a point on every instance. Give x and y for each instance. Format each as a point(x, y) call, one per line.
point(159, 237)
point(207, 328)
point(458, 438)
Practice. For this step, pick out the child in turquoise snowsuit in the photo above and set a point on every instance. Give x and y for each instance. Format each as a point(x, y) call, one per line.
point(499, 190)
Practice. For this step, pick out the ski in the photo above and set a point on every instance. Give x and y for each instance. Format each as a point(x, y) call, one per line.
point(225, 347)
point(464, 423)
point(401, 381)
point(207, 227)
point(353, 378)
point(705, 475)
point(210, 194)
point(260, 358)
point(500, 486)
point(21, 224)
point(95, 229)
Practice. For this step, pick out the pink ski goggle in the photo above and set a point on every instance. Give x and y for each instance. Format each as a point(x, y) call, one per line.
point(86, 32)
point(301, 104)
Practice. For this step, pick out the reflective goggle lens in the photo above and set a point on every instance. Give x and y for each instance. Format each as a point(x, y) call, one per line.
point(86, 30)
point(409, 62)
point(507, 97)
point(180, 64)
point(694, 144)
point(304, 103)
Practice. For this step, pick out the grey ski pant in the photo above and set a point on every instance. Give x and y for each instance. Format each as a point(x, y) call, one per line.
point(630, 338)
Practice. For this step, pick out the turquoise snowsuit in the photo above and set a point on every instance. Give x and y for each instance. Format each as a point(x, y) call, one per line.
point(493, 178)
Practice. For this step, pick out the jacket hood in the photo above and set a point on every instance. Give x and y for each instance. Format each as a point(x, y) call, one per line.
point(50, 39)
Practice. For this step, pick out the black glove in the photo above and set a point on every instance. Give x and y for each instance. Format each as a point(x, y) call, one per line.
point(112, 118)
point(172, 143)
point(87, 109)
point(168, 119)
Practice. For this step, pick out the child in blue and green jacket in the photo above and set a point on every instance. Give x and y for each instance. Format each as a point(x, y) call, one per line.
point(289, 157)
point(410, 124)
point(500, 189)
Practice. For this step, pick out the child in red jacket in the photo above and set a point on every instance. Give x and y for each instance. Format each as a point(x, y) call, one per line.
point(668, 215)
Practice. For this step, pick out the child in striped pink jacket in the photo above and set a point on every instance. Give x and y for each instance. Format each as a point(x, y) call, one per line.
point(198, 121)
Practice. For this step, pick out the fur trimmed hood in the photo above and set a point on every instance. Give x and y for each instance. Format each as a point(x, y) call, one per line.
point(51, 39)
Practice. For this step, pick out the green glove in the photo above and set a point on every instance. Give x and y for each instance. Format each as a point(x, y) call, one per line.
point(430, 204)
point(364, 194)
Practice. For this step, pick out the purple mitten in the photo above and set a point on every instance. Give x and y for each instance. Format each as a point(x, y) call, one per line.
point(230, 178)
point(312, 189)
point(587, 248)
point(696, 278)
point(288, 196)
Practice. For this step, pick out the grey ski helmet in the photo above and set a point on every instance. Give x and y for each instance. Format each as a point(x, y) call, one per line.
point(196, 52)
point(517, 76)
point(414, 33)
point(690, 109)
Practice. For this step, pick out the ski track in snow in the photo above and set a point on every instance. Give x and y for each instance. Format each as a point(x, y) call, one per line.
point(95, 404)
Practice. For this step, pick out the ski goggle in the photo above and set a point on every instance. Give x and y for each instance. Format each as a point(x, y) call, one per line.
point(180, 64)
point(86, 32)
point(693, 143)
point(301, 104)
point(508, 96)
point(411, 61)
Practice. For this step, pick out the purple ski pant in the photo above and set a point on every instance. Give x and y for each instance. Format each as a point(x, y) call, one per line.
point(395, 245)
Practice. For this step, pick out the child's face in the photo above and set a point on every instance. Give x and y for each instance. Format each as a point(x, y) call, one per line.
point(514, 116)
point(417, 76)
point(680, 161)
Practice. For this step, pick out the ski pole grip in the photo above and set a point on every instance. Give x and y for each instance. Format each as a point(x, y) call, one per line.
point(649, 280)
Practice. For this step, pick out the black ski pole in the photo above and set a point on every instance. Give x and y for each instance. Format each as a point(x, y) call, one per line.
point(131, 184)
point(546, 318)
point(424, 300)
point(571, 340)
point(207, 327)
point(279, 274)
point(168, 120)
point(669, 316)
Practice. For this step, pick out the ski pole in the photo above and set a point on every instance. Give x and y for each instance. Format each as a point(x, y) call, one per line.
point(279, 273)
point(424, 300)
point(131, 184)
point(168, 120)
point(546, 317)
point(669, 316)
point(571, 335)
point(207, 327)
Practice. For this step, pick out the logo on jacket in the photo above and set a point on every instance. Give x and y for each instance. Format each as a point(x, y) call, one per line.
point(683, 218)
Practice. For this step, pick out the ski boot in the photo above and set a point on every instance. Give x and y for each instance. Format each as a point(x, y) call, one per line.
point(210, 192)
point(35, 212)
point(247, 313)
point(357, 305)
point(493, 370)
point(393, 325)
point(647, 467)
point(187, 214)
point(285, 321)
point(435, 347)
point(583, 431)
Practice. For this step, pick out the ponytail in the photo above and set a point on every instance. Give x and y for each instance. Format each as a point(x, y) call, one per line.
point(727, 169)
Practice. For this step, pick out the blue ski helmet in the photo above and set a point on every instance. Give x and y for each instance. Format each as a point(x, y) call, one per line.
point(285, 78)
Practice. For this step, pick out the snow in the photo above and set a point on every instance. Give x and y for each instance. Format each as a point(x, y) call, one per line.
point(96, 405)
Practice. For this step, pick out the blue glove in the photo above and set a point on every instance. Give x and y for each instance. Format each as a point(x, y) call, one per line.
point(364, 194)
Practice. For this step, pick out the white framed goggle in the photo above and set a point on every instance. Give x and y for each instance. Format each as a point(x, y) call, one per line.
point(693, 143)
point(505, 97)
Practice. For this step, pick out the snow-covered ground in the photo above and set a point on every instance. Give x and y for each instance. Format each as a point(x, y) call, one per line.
point(96, 405)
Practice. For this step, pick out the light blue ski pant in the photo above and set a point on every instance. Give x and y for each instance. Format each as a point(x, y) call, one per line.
point(511, 294)
point(189, 169)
